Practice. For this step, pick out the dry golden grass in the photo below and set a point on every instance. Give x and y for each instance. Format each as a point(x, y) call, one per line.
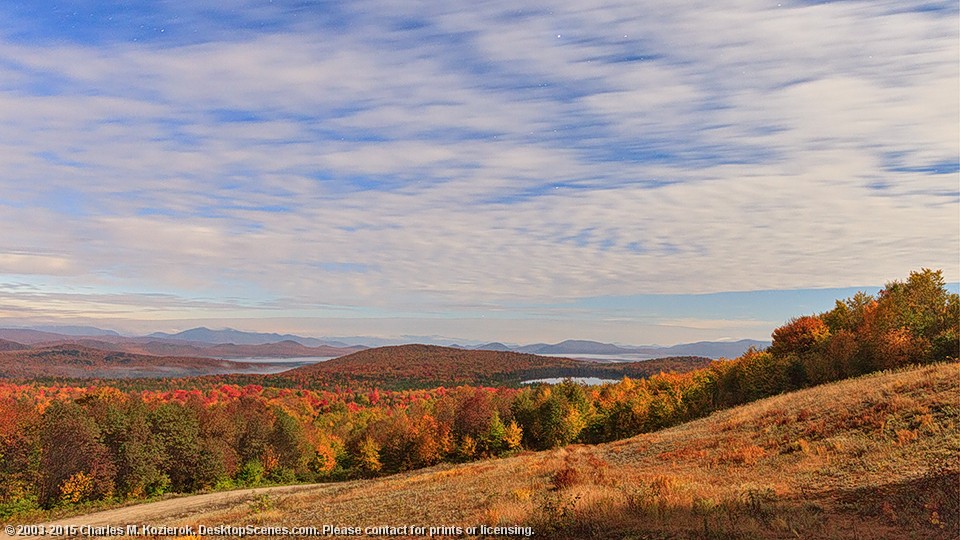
point(875, 457)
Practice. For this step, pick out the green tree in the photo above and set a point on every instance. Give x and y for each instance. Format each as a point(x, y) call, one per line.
point(127, 434)
point(492, 441)
point(920, 317)
point(365, 456)
point(290, 443)
point(20, 453)
point(71, 449)
point(176, 430)
point(562, 415)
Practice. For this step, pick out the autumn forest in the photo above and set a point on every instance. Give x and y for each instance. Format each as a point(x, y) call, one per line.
point(70, 443)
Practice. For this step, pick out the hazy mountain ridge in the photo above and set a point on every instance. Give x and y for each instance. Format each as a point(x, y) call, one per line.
point(709, 349)
point(240, 337)
point(231, 343)
point(73, 330)
point(146, 345)
point(79, 361)
point(7, 345)
point(576, 346)
point(27, 336)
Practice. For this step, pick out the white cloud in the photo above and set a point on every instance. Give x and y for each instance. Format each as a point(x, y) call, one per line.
point(484, 160)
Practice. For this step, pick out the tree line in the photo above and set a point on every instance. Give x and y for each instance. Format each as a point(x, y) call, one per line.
point(62, 445)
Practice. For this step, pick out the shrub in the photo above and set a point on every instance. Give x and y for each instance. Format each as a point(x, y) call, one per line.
point(566, 477)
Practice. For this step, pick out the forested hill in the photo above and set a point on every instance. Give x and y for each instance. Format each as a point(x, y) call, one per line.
point(78, 361)
point(431, 365)
point(64, 445)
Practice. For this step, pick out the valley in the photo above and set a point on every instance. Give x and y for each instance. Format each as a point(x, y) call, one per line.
point(846, 426)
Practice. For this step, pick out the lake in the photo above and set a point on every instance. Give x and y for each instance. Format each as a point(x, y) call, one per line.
point(589, 381)
point(294, 360)
point(270, 366)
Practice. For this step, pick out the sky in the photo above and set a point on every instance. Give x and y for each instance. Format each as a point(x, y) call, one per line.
point(634, 172)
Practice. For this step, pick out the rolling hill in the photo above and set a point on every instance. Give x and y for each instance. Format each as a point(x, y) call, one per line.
point(77, 361)
point(402, 366)
point(28, 336)
point(431, 365)
point(873, 457)
point(7, 345)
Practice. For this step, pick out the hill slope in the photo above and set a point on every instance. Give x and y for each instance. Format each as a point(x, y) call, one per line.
point(7, 345)
point(432, 365)
point(78, 361)
point(874, 457)
point(428, 363)
point(29, 337)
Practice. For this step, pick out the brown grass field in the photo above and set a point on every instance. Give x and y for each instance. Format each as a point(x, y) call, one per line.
point(874, 457)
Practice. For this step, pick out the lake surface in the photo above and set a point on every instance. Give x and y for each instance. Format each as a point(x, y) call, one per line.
point(293, 360)
point(589, 381)
point(270, 366)
point(608, 357)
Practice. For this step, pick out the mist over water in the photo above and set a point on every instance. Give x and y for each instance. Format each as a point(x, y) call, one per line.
point(269, 366)
point(589, 381)
point(612, 357)
point(286, 360)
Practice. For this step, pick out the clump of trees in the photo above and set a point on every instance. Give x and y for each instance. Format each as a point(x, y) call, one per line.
point(916, 321)
point(68, 445)
point(63, 445)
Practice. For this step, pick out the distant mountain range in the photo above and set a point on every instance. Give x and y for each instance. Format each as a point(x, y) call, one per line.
point(239, 337)
point(28, 336)
point(253, 346)
point(575, 346)
point(710, 349)
point(77, 330)
point(231, 343)
point(572, 347)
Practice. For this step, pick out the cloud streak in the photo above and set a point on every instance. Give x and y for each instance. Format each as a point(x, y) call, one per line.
point(408, 159)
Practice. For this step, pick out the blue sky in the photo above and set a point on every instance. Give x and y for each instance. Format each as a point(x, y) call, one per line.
point(638, 172)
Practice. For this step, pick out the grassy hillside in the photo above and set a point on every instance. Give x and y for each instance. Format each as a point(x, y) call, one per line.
point(762, 476)
point(872, 457)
